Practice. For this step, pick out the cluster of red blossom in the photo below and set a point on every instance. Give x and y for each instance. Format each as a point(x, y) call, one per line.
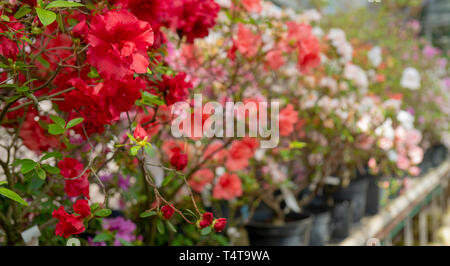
point(119, 42)
point(76, 184)
point(207, 219)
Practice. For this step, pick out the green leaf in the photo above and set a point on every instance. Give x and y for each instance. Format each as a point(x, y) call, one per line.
point(168, 179)
point(58, 120)
point(297, 145)
point(27, 165)
point(5, 17)
point(23, 10)
point(103, 212)
point(160, 226)
point(41, 173)
point(95, 206)
point(74, 122)
point(134, 150)
point(205, 231)
point(44, 62)
point(124, 242)
point(59, 3)
point(12, 195)
point(170, 225)
point(131, 137)
point(102, 237)
point(150, 99)
point(51, 169)
point(23, 89)
point(53, 154)
point(147, 214)
point(45, 16)
point(55, 129)
point(3, 183)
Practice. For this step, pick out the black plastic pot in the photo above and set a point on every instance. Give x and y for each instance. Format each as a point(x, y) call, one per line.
point(263, 214)
point(356, 192)
point(439, 154)
point(372, 196)
point(321, 224)
point(321, 228)
point(341, 219)
point(292, 233)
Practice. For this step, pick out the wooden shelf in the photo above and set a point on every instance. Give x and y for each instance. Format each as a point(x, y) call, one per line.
point(397, 214)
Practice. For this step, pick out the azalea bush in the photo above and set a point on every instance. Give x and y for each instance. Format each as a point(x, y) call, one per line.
point(90, 92)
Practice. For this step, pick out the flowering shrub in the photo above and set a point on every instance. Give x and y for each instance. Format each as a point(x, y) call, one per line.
point(89, 96)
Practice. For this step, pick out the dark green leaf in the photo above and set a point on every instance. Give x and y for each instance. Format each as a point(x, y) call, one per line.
point(124, 242)
point(23, 10)
point(51, 169)
point(27, 165)
point(58, 120)
point(171, 227)
point(12, 195)
point(147, 214)
point(55, 129)
point(41, 173)
point(103, 212)
point(53, 154)
point(102, 237)
point(160, 226)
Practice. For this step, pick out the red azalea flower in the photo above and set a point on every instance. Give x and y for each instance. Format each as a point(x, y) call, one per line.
point(178, 159)
point(8, 47)
point(219, 224)
point(175, 89)
point(118, 44)
point(193, 18)
point(82, 207)
point(71, 168)
point(34, 136)
point(287, 119)
point(307, 44)
point(167, 211)
point(139, 133)
point(68, 224)
point(240, 153)
point(246, 42)
point(229, 186)
point(200, 179)
point(206, 220)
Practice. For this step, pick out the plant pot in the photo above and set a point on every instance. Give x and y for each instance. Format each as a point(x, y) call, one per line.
point(292, 233)
point(439, 154)
point(341, 219)
point(321, 224)
point(372, 196)
point(321, 228)
point(263, 214)
point(356, 192)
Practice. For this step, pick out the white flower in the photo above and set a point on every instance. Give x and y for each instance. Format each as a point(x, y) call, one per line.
point(406, 119)
point(386, 130)
point(311, 15)
point(357, 75)
point(392, 155)
point(410, 79)
point(375, 56)
point(364, 123)
point(339, 41)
